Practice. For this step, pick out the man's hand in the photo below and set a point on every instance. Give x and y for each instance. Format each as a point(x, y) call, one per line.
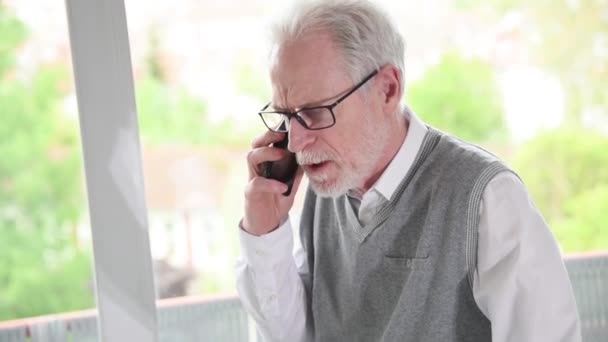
point(265, 205)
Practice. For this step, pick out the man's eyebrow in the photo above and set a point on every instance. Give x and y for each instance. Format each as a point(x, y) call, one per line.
point(318, 103)
point(273, 107)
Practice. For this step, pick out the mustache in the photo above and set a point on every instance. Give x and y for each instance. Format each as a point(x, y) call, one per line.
point(305, 158)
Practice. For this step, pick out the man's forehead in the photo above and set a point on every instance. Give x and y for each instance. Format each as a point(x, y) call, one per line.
point(305, 88)
point(305, 74)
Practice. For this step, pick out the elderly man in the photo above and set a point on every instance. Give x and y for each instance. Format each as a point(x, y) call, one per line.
point(407, 233)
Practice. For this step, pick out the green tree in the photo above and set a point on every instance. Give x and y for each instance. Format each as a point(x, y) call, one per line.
point(565, 171)
point(584, 225)
point(460, 96)
point(41, 269)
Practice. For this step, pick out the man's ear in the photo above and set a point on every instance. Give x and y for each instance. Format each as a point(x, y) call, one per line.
point(388, 81)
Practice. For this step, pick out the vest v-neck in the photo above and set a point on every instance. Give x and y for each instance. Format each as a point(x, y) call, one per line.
point(362, 231)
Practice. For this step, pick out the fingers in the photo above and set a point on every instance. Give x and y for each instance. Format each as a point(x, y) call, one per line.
point(257, 156)
point(261, 152)
point(266, 139)
point(264, 154)
point(261, 185)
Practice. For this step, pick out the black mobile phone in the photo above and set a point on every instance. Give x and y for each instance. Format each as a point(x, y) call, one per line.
point(283, 170)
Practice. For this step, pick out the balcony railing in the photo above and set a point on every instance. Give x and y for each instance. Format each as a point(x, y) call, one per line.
point(180, 320)
point(196, 319)
point(589, 276)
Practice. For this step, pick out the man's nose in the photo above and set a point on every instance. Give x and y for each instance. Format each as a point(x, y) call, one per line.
point(299, 137)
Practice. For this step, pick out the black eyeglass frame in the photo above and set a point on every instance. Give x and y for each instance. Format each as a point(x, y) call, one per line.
point(329, 107)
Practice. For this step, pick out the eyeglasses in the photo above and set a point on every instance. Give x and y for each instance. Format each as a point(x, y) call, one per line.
point(313, 118)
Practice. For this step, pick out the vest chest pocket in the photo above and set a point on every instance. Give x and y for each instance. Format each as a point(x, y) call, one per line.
point(397, 272)
point(393, 276)
point(405, 263)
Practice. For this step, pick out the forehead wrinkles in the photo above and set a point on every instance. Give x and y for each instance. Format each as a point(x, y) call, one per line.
point(305, 87)
point(293, 95)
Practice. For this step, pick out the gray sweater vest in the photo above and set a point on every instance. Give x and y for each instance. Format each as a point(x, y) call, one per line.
point(406, 275)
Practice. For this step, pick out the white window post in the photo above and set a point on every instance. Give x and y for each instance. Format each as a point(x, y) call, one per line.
point(112, 159)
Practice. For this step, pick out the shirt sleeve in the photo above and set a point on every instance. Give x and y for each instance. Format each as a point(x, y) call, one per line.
point(521, 283)
point(269, 284)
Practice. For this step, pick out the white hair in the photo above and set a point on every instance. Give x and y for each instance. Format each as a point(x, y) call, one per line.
point(364, 33)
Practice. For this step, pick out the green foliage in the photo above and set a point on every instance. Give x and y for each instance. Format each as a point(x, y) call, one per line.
point(460, 96)
point(12, 33)
point(565, 171)
point(62, 285)
point(40, 144)
point(40, 193)
point(584, 225)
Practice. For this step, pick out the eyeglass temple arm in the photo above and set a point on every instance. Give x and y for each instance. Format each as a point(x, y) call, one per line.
point(354, 88)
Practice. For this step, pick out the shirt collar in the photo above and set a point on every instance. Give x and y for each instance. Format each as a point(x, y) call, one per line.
point(403, 160)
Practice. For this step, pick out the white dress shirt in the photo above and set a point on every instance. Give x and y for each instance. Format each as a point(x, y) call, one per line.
point(520, 284)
